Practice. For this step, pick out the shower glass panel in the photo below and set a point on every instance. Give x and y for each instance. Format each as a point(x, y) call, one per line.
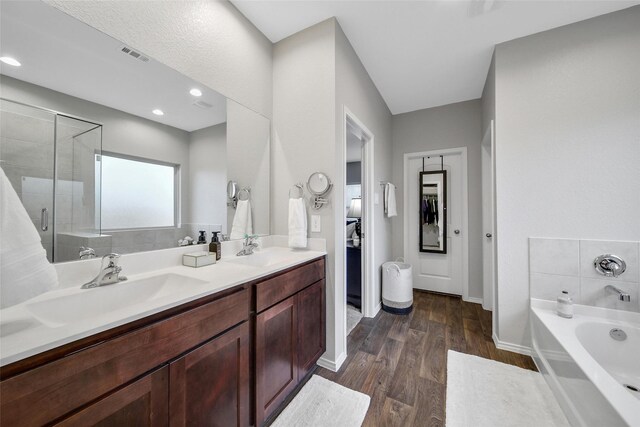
point(77, 190)
point(49, 158)
point(27, 147)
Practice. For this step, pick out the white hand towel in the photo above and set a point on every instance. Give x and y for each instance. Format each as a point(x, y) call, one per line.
point(242, 223)
point(25, 271)
point(390, 200)
point(297, 224)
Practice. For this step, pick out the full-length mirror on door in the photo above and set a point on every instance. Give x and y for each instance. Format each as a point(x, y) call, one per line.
point(433, 211)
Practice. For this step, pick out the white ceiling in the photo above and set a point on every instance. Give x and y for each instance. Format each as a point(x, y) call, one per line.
point(63, 54)
point(422, 54)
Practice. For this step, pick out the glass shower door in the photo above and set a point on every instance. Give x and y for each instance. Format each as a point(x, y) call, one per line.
point(77, 189)
point(27, 149)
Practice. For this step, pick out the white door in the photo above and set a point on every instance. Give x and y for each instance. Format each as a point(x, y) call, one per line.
point(488, 219)
point(435, 271)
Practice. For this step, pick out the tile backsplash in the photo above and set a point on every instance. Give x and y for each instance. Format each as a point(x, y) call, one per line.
point(567, 264)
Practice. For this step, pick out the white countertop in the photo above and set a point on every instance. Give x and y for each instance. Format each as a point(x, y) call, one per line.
point(23, 333)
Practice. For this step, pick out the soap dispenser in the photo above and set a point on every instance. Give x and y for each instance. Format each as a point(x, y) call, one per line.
point(202, 239)
point(215, 246)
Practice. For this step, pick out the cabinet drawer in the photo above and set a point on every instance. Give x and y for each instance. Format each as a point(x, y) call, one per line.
point(79, 378)
point(274, 290)
point(142, 404)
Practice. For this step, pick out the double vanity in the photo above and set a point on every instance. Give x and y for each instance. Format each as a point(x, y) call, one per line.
point(223, 344)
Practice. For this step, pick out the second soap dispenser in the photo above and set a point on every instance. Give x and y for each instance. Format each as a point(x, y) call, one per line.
point(215, 246)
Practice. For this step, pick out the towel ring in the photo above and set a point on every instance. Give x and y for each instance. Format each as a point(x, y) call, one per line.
point(244, 194)
point(300, 188)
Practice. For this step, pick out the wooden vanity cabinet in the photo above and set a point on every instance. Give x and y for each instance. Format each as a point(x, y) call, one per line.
point(210, 385)
point(228, 359)
point(290, 334)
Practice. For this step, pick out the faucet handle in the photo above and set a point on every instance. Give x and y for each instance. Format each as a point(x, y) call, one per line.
point(113, 259)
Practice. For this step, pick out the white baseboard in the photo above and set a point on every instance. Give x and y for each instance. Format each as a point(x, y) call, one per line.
point(377, 309)
point(514, 348)
point(474, 300)
point(330, 364)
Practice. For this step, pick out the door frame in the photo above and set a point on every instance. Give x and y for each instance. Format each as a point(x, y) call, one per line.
point(462, 151)
point(369, 307)
point(488, 210)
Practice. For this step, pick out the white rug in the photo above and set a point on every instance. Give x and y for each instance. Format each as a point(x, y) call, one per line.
point(353, 318)
point(482, 392)
point(323, 403)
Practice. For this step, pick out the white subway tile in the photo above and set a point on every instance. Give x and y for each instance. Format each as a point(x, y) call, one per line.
point(549, 286)
point(554, 256)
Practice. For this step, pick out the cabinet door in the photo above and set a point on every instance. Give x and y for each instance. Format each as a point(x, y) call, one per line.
point(210, 385)
point(141, 403)
point(276, 356)
point(311, 327)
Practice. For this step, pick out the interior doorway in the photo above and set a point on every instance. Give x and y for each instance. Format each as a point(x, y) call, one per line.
point(357, 237)
point(443, 271)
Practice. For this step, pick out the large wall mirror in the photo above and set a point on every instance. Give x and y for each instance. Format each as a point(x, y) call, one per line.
point(111, 150)
point(433, 211)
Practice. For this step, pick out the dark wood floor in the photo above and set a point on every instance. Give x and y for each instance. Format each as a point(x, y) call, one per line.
point(400, 361)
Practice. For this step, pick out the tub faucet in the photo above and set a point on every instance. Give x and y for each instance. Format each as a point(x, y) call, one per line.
point(622, 296)
point(107, 275)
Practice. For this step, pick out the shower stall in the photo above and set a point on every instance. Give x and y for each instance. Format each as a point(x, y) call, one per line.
point(52, 159)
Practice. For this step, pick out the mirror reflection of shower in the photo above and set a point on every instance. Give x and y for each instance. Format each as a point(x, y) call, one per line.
point(50, 159)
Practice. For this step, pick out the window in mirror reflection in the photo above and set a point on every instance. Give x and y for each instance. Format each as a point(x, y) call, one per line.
point(137, 193)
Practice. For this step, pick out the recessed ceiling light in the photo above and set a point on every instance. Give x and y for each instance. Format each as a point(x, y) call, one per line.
point(195, 92)
point(158, 112)
point(10, 61)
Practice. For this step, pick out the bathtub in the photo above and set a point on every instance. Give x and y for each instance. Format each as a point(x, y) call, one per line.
point(595, 378)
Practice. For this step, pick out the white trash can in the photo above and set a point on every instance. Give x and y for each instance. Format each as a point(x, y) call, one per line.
point(397, 287)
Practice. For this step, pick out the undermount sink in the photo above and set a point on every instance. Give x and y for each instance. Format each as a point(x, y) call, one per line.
point(259, 259)
point(89, 303)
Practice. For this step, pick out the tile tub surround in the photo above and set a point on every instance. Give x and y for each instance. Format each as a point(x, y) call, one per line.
point(567, 264)
point(23, 335)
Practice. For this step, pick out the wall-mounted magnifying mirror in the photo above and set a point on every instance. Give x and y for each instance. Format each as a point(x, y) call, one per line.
point(433, 212)
point(319, 185)
point(232, 190)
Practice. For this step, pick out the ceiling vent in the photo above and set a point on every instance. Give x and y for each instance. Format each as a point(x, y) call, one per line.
point(134, 54)
point(203, 105)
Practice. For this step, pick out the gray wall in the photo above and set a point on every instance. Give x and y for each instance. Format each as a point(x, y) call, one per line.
point(567, 146)
point(208, 41)
point(317, 74)
point(208, 180)
point(356, 92)
point(449, 126)
point(489, 97)
point(303, 136)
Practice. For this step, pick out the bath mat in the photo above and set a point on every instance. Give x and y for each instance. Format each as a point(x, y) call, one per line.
point(353, 318)
point(483, 392)
point(323, 403)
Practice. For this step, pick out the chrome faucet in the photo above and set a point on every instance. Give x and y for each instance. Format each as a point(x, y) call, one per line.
point(86, 252)
point(248, 245)
point(622, 296)
point(107, 275)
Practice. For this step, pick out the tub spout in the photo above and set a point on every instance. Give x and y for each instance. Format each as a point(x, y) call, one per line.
point(622, 296)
